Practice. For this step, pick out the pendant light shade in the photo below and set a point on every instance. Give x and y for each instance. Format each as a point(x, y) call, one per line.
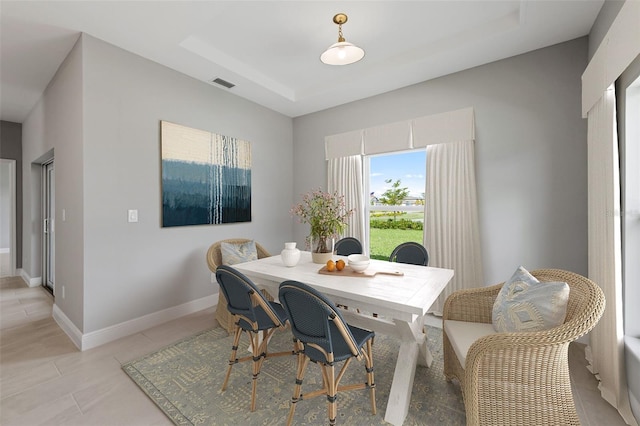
point(342, 52)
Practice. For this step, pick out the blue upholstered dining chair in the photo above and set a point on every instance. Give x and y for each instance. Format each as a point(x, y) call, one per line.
point(326, 339)
point(255, 315)
point(347, 246)
point(410, 252)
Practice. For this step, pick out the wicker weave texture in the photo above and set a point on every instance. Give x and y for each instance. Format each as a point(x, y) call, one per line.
point(520, 378)
point(214, 259)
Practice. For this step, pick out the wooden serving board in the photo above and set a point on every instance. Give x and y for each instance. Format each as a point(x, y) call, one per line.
point(368, 273)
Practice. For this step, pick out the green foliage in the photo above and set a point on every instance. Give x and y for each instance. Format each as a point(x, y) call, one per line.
point(394, 196)
point(395, 224)
point(383, 241)
point(326, 213)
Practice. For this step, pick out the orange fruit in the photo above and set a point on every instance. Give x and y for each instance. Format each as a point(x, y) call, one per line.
point(331, 265)
point(340, 265)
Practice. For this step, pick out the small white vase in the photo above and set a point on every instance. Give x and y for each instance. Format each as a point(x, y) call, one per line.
point(290, 254)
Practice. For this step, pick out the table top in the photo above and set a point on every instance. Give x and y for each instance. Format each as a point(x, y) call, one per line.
point(398, 296)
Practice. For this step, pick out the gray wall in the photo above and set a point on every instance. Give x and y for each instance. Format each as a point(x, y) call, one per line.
point(531, 152)
point(102, 117)
point(133, 269)
point(109, 161)
point(55, 123)
point(11, 149)
point(606, 16)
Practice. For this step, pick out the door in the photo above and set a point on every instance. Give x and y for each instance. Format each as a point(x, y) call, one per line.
point(7, 217)
point(49, 227)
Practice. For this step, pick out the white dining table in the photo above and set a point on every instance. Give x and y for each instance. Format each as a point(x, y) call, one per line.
point(400, 302)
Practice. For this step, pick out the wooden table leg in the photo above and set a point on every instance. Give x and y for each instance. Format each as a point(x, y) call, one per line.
point(402, 385)
point(413, 350)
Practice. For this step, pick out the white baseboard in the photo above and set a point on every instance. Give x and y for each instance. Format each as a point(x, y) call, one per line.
point(127, 328)
point(31, 282)
point(67, 326)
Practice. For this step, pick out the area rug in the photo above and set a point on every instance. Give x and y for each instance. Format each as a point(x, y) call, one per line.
point(184, 381)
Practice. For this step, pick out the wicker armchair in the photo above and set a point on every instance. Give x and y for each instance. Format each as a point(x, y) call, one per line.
point(520, 378)
point(214, 259)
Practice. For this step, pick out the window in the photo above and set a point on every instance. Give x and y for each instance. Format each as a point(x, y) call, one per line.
point(631, 205)
point(629, 105)
point(396, 188)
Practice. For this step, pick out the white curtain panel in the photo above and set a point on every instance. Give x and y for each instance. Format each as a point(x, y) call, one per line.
point(452, 234)
point(606, 350)
point(345, 177)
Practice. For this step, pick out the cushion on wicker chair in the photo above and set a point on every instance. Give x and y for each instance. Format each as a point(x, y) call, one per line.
point(462, 334)
point(526, 304)
point(233, 253)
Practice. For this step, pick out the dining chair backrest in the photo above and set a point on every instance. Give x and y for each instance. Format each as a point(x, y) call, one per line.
point(243, 297)
point(311, 314)
point(410, 252)
point(323, 337)
point(347, 246)
point(254, 315)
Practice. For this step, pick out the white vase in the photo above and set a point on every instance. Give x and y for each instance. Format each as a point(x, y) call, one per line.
point(290, 254)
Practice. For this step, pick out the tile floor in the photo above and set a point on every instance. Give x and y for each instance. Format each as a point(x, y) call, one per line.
point(45, 380)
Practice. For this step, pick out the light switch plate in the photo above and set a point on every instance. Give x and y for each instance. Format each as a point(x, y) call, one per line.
point(133, 215)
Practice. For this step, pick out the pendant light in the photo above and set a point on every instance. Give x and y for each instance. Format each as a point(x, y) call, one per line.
point(342, 52)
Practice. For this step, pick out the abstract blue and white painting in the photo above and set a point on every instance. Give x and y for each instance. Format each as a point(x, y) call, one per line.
point(206, 177)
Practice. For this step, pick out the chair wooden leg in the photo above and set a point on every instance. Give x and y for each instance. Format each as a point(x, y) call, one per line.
point(331, 393)
point(370, 380)
point(257, 346)
point(303, 362)
point(232, 358)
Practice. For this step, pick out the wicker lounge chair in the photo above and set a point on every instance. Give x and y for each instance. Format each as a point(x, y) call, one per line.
point(523, 377)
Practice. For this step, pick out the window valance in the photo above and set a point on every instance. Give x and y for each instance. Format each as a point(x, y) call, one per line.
point(446, 127)
point(452, 126)
point(387, 138)
point(616, 51)
point(343, 144)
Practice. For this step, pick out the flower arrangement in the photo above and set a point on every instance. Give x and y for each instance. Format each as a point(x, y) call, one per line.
point(327, 215)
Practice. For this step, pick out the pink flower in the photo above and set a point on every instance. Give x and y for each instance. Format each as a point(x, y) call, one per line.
point(326, 213)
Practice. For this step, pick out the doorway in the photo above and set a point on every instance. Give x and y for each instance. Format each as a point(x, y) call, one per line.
point(49, 226)
point(7, 217)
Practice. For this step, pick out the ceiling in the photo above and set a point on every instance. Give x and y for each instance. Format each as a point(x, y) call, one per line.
point(270, 49)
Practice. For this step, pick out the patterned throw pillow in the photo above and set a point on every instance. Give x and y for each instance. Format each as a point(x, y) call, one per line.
point(233, 253)
point(526, 304)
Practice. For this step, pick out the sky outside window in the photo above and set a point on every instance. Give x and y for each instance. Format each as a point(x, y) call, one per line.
point(409, 167)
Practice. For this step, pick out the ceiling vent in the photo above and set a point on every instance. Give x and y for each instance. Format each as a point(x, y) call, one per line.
point(222, 82)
